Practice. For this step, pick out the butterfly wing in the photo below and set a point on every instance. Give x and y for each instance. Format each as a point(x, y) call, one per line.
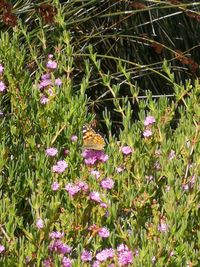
point(92, 140)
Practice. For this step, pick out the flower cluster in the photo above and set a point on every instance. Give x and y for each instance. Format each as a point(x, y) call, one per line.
point(2, 84)
point(58, 247)
point(47, 83)
point(93, 156)
point(123, 256)
point(60, 166)
point(74, 188)
point(148, 122)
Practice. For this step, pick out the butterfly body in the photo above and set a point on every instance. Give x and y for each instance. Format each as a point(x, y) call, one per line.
point(91, 139)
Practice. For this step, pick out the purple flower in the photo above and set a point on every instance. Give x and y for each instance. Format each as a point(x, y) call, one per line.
point(185, 187)
point(96, 264)
point(192, 180)
point(103, 205)
point(105, 254)
point(44, 99)
point(1, 69)
point(96, 174)
point(92, 156)
point(55, 186)
point(60, 166)
point(163, 227)
point(147, 133)
point(158, 152)
point(171, 155)
point(58, 82)
point(74, 138)
point(45, 83)
point(104, 232)
point(149, 178)
point(2, 248)
point(48, 262)
point(86, 256)
point(2, 86)
point(95, 196)
point(167, 188)
point(122, 247)
point(66, 152)
point(56, 235)
point(51, 64)
point(59, 247)
point(83, 186)
point(125, 258)
point(136, 253)
point(66, 262)
point(72, 189)
point(119, 169)
point(149, 120)
point(50, 92)
point(126, 150)
point(46, 76)
point(157, 165)
point(107, 183)
point(39, 223)
point(52, 151)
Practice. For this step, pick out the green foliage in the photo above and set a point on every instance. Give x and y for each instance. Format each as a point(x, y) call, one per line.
point(153, 204)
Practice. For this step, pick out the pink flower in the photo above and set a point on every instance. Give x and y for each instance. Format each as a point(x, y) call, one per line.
point(96, 174)
point(103, 205)
point(59, 247)
point(126, 150)
point(107, 183)
point(58, 82)
point(2, 86)
point(44, 99)
point(95, 196)
point(163, 227)
point(105, 254)
point(125, 258)
point(1, 69)
point(52, 151)
point(55, 186)
point(119, 169)
point(48, 262)
point(147, 133)
point(92, 156)
point(149, 120)
point(74, 138)
point(56, 235)
point(39, 223)
point(96, 264)
point(46, 76)
point(66, 262)
point(72, 189)
point(104, 232)
point(51, 64)
point(149, 178)
point(86, 256)
point(2, 248)
point(122, 247)
point(171, 155)
point(60, 166)
point(83, 186)
point(45, 83)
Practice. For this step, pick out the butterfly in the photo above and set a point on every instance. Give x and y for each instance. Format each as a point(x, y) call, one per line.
point(91, 139)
